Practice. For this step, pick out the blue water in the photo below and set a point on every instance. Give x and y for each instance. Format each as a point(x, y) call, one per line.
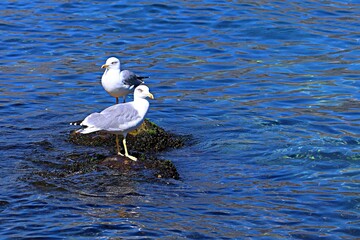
point(269, 91)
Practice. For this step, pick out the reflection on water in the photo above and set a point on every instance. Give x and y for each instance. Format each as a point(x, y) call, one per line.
point(269, 91)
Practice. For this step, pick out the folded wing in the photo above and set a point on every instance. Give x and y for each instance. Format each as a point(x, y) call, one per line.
point(116, 118)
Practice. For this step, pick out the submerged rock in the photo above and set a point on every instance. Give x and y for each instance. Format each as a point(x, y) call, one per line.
point(98, 173)
point(156, 167)
point(143, 143)
point(148, 167)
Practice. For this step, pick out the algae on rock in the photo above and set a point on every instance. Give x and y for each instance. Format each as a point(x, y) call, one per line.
point(148, 138)
point(145, 142)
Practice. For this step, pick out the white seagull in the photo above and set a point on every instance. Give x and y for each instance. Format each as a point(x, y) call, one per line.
point(120, 118)
point(116, 82)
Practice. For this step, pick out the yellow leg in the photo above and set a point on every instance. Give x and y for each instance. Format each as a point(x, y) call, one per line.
point(126, 151)
point(117, 145)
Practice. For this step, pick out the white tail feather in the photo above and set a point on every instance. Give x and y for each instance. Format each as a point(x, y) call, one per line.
point(88, 130)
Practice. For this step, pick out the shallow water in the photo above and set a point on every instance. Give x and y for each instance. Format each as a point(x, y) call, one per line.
point(268, 90)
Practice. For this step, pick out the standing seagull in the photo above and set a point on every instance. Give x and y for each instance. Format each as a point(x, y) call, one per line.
point(120, 118)
point(116, 82)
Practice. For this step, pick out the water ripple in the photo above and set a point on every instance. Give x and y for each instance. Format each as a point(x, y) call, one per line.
point(269, 91)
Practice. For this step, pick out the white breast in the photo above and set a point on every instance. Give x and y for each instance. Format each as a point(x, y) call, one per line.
point(112, 83)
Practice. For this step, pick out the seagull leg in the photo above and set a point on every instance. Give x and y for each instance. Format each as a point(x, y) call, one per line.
point(117, 145)
point(124, 98)
point(117, 100)
point(126, 151)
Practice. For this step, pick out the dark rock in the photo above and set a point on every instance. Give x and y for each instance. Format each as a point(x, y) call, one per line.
point(148, 167)
point(158, 168)
point(143, 143)
point(92, 174)
point(148, 138)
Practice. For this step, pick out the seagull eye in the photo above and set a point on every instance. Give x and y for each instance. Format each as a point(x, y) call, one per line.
point(113, 62)
point(140, 90)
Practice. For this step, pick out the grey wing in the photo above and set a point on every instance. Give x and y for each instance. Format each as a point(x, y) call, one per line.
point(123, 107)
point(94, 120)
point(118, 117)
point(130, 78)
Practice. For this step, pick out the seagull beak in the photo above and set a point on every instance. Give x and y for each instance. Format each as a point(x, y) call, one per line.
point(105, 66)
point(151, 96)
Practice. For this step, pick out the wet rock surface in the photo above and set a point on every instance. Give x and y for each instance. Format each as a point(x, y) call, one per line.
point(148, 167)
point(144, 143)
point(148, 138)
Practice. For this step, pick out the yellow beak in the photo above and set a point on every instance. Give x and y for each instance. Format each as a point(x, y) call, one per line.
point(105, 66)
point(151, 96)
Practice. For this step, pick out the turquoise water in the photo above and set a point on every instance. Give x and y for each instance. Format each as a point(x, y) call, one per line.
point(269, 90)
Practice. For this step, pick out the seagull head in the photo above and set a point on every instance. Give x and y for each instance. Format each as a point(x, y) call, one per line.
point(142, 91)
point(112, 63)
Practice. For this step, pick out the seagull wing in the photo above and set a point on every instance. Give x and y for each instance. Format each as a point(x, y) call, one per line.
point(120, 117)
point(131, 79)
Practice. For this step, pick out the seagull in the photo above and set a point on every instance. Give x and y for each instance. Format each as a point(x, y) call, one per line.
point(119, 83)
point(120, 118)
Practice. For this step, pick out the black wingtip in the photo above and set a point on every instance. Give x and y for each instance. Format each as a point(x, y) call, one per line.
point(142, 77)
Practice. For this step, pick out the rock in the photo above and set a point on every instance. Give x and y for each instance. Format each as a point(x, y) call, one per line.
point(148, 167)
point(89, 173)
point(143, 143)
point(148, 138)
point(158, 168)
